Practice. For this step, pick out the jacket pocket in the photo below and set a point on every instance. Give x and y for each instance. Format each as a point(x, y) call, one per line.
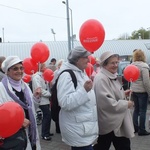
point(84, 117)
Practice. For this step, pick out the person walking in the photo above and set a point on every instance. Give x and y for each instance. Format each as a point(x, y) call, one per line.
point(13, 88)
point(114, 117)
point(78, 113)
point(141, 93)
point(39, 82)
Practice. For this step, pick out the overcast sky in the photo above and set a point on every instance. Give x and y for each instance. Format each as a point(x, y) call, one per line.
point(32, 20)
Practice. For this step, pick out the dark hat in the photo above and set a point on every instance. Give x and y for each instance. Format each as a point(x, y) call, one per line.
point(77, 52)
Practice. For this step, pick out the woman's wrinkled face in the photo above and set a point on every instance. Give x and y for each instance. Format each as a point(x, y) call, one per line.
point(82, 62)
point(112, 65)
point(16, 72)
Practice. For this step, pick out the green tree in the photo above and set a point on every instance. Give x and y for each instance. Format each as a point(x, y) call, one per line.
point(136, 34)
point(140, 34)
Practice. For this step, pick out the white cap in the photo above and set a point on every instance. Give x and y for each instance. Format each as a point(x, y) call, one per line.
point(9, 62)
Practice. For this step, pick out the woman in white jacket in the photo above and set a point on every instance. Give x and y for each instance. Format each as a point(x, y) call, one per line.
point(39, 82)
point(78, 114)
point(13, 88)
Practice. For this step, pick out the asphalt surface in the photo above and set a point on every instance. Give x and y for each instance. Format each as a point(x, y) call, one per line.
point(137, 143)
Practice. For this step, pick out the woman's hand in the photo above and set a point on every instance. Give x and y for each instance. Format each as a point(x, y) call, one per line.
point(88, 85)
point(130, 104)
point(26, 123)
point(37, 92)
point(128, 92)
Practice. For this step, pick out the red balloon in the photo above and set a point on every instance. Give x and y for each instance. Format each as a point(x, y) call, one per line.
point(131, 73)
point(40, 52)
point(30, 67)
point(89, 69)
point(12, 118)
point(92, 59)
point(26, 78)
point(92, 35)
point(48, 75)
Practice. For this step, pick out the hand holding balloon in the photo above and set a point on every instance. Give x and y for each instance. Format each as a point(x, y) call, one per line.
point(88, 85)
point(128, 92)
point(130, 104)
point(37, 93)
point(26, 123)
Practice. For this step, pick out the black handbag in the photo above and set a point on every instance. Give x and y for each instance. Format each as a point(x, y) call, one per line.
point(18, 141)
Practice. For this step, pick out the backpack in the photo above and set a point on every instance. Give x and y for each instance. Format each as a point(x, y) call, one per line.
point(55, 108)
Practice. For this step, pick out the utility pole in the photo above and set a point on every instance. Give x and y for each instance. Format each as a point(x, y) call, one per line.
point(68, 25)
point(53, 34)
point(3, 35)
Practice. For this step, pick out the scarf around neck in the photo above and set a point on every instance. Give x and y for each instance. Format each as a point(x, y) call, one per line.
point(28, 106)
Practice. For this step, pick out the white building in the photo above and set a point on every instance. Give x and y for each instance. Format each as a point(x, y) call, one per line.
point(59, 49)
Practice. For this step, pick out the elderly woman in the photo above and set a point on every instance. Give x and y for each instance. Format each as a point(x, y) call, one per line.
point(114, 118)
point(14, 89)
point(78, 114)
point(141, 93)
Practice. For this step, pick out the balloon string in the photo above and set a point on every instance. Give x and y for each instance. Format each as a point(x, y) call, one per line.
point(39, 64)
point(130, 89)
point(90, 69)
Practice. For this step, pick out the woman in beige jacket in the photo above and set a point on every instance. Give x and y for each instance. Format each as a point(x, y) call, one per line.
point(114, 118)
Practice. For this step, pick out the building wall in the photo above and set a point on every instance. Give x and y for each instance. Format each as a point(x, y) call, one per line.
point(59, 49)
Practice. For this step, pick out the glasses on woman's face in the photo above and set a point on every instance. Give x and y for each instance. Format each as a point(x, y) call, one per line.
point(17, 68)
point(114, 63)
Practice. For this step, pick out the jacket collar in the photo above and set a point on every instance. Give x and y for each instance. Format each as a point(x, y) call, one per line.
point(109, 74)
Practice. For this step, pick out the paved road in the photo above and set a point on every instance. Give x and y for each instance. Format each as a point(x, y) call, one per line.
point(138, 142)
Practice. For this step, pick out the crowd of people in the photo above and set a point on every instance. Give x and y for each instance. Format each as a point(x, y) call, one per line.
point(93, 115)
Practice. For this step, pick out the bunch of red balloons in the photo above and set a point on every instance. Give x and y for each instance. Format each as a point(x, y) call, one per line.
point(39, 54)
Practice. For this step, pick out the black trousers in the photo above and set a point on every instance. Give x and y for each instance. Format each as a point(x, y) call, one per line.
point(104, 142)
point(46, 122)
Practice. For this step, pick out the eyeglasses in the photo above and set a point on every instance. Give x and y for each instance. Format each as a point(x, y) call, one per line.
point(114, 63)
point(17, 68)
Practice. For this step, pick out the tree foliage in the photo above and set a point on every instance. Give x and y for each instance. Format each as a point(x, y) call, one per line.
point(136, 34)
